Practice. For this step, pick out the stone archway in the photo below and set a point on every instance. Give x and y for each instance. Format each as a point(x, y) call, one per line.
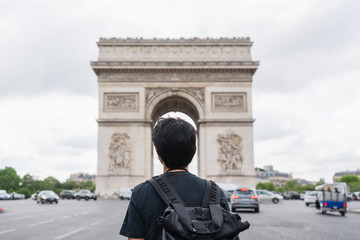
point(208, 79)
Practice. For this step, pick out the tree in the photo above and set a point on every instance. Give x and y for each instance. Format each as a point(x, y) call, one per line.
point(349, 178)
point(352, 181)
point(51, 183)
point(267, 186)
point(9, 180)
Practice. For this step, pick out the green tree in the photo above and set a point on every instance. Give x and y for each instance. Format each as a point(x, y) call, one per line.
point(51, 183)
point(267, 186)
point(352, 181)
point(349, 178)
point(9, 180)
point(70, 185)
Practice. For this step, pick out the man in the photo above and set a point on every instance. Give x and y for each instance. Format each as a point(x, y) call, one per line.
point(175, 144)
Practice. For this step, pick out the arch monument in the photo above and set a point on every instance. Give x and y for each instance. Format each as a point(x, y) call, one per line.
point(141, 79)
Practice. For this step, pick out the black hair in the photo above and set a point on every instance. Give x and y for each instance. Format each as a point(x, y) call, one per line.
point(175, 142)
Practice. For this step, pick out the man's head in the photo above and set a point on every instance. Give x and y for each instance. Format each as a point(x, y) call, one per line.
point(175, 142)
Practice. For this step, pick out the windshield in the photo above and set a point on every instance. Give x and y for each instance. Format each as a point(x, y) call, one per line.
point(244, 192)
point(49, 193)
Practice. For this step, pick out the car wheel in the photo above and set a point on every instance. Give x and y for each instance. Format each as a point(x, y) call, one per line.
point(121, 198)
point(323, 211)
point(42, 202)
point(307, 204)
point(342, 213)
point(257, 210)
point(56, 202)
point(87, 198)
point(275, 200)
point(51, 202)
point(94, 199)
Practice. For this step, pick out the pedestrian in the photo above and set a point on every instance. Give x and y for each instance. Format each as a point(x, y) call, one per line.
point(175, 144)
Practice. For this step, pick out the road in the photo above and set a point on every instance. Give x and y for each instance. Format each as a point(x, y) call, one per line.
point(71, 219)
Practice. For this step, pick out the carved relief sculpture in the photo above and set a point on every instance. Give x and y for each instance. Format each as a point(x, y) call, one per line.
point(230, 151)
point(228, 102)
point(120, 152)
point(121, 101)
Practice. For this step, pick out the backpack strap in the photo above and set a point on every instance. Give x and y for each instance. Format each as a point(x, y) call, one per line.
point(169, 195)
point(211, 195)
point(167, 189)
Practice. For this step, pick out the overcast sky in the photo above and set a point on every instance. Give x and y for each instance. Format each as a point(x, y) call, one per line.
point(306, 91)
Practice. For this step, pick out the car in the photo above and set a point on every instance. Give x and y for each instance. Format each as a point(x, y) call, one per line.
point(4, 195)
point(293, 195)
point(15, 196)
point(68, 194)
point(265, 195)
point(244, 198)
point(356, 196)
point(286, 197)
point(310, 197)
point(228, 189)
point(85, 194)
point(47, 196)
point(125, 193)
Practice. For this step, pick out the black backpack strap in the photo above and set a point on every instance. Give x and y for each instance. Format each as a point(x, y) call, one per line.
point(158, 189)
point(166, 188)
point(214, 193)
point(206, 197)
point(169, 195)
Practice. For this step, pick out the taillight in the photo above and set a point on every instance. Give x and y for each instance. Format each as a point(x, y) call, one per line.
point(344, 204)
point(254, 197)
point(235, 197)
point(325, 204)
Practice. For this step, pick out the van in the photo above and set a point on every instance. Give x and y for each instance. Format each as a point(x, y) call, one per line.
point(125, 193)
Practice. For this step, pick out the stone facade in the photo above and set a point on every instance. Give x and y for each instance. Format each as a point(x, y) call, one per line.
point(141, 79)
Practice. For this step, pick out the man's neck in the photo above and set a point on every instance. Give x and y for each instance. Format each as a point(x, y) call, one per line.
point(175, 170)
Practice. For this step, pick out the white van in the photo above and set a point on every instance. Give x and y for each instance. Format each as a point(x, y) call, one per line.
point(125, 193)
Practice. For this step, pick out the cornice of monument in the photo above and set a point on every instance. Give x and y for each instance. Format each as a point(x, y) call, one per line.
point(175, 41)
point(147, 65)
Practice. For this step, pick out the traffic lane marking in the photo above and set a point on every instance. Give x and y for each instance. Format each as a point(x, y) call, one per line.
point(98, 222)
point(70, 233)
point(6, 231)
point(40, 223)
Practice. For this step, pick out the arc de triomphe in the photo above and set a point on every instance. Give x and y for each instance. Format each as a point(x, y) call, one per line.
point(141, 79)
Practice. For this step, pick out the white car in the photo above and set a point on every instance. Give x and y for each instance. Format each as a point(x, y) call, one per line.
point(125, 193)
point(265, 195)
point(310, 197)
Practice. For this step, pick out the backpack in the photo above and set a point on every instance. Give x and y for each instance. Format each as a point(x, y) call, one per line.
point(208, 221)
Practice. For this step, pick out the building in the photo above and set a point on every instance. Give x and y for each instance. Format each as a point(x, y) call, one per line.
point(82, 177)
point(268, 174)
point(338, 175)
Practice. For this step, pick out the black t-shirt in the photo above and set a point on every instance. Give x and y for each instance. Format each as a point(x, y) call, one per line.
point(146, 206)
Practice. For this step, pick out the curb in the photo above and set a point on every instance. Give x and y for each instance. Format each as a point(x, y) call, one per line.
point(355, 210)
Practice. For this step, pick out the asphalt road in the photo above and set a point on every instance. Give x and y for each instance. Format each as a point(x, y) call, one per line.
point(101, 219)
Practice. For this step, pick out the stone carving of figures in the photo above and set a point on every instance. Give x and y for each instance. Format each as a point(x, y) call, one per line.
point(230, 156)
point(120, 152)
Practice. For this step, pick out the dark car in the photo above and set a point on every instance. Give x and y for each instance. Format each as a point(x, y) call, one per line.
point(293, 195)
point(47, 196)
point(228, 194)
point(85, 194)
point(244, 198)
point(285, 196)
point(69, 194)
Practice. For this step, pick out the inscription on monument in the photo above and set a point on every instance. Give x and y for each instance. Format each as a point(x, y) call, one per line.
point(230, 151)
point(228, 102)
point(120, 152)
point(121, 102)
